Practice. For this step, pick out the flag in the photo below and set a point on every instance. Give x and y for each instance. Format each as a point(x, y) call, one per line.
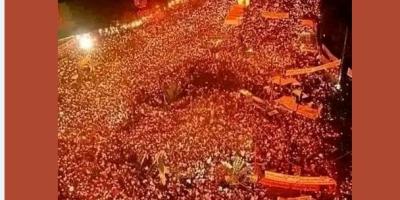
point(349, 72)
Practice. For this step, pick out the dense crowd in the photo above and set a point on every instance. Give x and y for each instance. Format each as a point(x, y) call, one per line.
point(115, 112)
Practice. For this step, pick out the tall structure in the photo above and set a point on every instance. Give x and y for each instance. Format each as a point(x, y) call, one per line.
point(335, 33)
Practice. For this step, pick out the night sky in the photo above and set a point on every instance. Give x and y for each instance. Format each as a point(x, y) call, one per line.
point(86, 15)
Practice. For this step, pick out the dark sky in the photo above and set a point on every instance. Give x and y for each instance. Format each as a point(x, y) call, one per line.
point(104, 8)
point(98, 10)
point(336, 17)
point(87, 15)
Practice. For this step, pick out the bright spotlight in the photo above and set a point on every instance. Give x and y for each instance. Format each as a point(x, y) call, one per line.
point(337, 86)
point(85, 41)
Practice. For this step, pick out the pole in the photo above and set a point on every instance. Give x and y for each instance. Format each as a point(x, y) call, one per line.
point(343, 67)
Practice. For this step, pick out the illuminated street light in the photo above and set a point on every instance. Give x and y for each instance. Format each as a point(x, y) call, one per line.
point(85, 41)
point(338, 87)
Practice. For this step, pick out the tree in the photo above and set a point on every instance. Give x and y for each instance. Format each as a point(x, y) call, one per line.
point(162, 169)
point(236, 172)
point(172, 92)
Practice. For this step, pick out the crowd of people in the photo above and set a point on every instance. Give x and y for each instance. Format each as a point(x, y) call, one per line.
point(117, 111)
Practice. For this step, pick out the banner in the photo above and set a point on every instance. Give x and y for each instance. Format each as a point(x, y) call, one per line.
point(288, 102)
point(258, 100)
point(333, 64)
point(235, 15)
point(308, 112)
point(275, 15)
point(307, 22)
point(308, 70)
point(245, 93)
point(272, 113)
point(279, 80)
point(302, 183)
